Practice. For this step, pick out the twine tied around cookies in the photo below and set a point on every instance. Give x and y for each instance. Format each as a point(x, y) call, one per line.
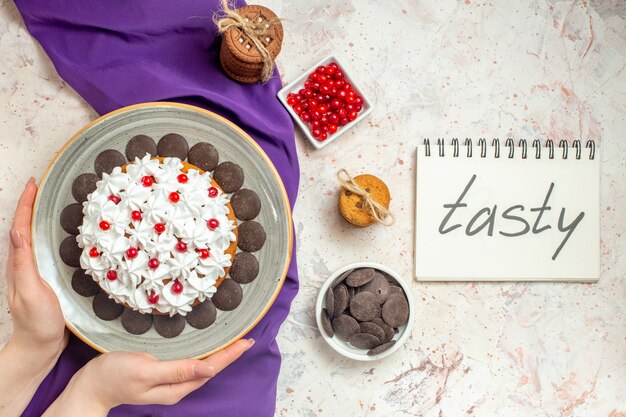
point(379, 212)
point(228, 18)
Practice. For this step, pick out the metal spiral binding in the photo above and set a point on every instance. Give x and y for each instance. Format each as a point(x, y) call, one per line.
point(510, 143)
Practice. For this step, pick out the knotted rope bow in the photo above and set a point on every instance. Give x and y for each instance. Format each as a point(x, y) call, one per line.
point(379, 212)
point(228, 18)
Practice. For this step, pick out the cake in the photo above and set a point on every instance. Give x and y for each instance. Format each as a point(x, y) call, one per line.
point(158, 235)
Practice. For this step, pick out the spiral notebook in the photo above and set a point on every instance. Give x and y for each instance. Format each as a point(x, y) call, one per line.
point(492, 211)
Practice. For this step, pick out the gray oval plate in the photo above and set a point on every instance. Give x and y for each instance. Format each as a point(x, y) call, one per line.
point(113, 131)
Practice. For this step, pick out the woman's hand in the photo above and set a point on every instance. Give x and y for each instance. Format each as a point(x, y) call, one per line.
point(39, 334)
point(119, 378)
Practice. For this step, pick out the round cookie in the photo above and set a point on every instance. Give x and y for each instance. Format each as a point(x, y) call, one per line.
point(71, 218)
point(83, 284)
point(134, 322)
point(204, 156)
point(70, 252)
point(381, 348)
point(106, 308)
point(353, 208)
point(245, 268)
point(364, 341)
point(251, 236)
point(228, 295)
point(107, 160)
point(169, 327)
point(395, 311)
point(84, 185)
point(364, 307)
point(345, 326)
point(246, 204)
point(229, 176)
point(140, 145)
point(203, 315)
point(173, 145)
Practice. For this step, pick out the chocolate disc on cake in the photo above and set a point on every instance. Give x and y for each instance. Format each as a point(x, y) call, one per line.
point(245, 268)
point(203, 315)
point(84, 185)
point(229, 176)
point(246, 204)
point(204, 156)
point(106, 308)
point(70, 252)
point(136, 323)
point(71, 218)
point(228, 295)
point(173, 145)
point(83, 284)
point(107, 160)
point(251, 236)
point(168, 326)
point(139, 146)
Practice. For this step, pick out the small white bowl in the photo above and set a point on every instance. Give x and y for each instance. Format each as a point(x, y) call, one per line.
point(345, 348)
point(298, 83)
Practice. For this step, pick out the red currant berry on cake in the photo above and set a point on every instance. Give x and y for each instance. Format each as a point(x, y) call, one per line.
point(153, 298)
point(213, 224)
point(105, 225)
point(177, 287)
point(181, 246)
point(213, 192)
point(203, 253)
point(174, 197)
point(111, 275)
point(147, 181)
point(115, 199)
point(153, 263)
point(93, 252)
point(136, 215)
point(131, 253)
point(159, 228)
point(182, 178)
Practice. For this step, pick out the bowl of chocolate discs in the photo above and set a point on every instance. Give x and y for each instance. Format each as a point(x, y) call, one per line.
point(365, 311)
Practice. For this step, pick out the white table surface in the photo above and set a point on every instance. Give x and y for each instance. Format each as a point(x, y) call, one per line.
point(433, 68)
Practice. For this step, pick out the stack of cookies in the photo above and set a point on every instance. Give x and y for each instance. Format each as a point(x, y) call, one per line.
point(240, 58)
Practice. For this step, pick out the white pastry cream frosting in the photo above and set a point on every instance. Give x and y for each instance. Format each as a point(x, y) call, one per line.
point(155, 237)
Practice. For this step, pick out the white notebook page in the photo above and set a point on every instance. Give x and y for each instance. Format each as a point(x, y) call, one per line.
point(474, 242)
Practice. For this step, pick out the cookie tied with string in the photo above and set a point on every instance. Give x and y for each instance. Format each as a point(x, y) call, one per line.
point(252, 38)
point(364, 200)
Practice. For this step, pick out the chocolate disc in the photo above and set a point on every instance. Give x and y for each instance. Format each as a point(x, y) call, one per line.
point(83, 284)
point(135, 322)
point(105, 307)
point(373, 328)
point(173, 145)
point(377, 286)
point(360, 277)
point(364, 306)
point(107, 160)
point(394, 289)
point(139, 146)
point(330, 301)
point(326, 325)
point(245, 268)
point(340, 302)
point(251, 236)
point(70, 252)
point(395, 310)
point(204, 156)
point(203, 315)
point(345, 326)
point(246, 204)
point(381, 348)
point(228, 295)
point(229, 176)
point(168, 326)
point(363, 340)
point(84, 185)
point(389, 331)
point(71, 218)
